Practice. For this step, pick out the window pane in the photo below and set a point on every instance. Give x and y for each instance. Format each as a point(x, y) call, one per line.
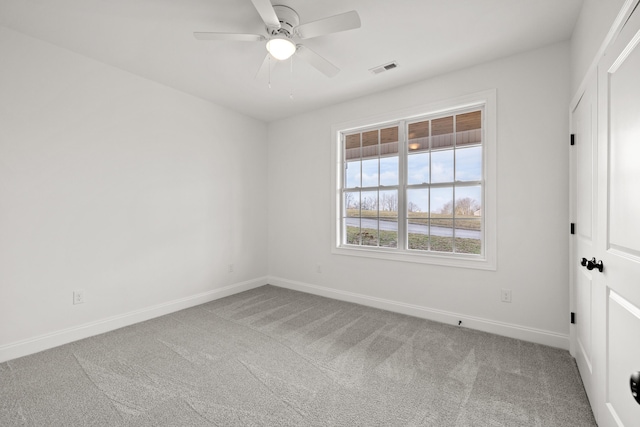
point(419, 130)
point(352, 146)
point(469, 164)
point(388, 218)
point(469, 128)
point(441, 235)
point(369, 232)
point(468, 201)
point(442, 166)
point(389, 140)
point(468, 235)
point(351, 204)
point(419, 136)
point(468, 222)
point(370, 144)
point(418, 203)
point(352, 220)
point(418, 168)
point(442, 133)
point(441, 202)
point(418, 240)
point(418, 219)
point(352, 174)
point(369, 221)
point(389, 203)
point(389, 232)
point(370, 173)
point(389, 170)
point(369, 204)
point(352, 226)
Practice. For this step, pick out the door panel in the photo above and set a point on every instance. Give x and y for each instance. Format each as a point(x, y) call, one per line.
point(624, 104)
point(618, 228)
point(624, 352)
point(584, 122)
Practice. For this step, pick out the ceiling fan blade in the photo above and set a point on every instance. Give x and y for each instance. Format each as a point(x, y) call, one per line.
point(333, 24)
point(317, 61)
point(268, 63)
point(266, 12)
point(228, 36)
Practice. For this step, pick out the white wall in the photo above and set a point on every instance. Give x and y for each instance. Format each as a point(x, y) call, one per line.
point(137, 193)
point(533, 97)
point(594, 22)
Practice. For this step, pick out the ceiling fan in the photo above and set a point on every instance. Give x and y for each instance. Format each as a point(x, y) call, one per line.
point(283, 26)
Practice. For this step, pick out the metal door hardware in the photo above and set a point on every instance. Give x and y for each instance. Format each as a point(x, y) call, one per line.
point(634, 383)
point(592, 263)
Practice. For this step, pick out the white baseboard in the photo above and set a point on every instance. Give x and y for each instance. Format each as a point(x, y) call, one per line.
point(57, 338)
point(524, 333)
point(64, 336)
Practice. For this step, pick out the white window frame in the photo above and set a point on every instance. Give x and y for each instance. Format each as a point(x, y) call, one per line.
point(486, 261)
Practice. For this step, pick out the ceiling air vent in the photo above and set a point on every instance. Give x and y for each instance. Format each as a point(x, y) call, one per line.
point(385, 67)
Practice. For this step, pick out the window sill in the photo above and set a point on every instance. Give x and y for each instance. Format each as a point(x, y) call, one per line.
point(442, 259)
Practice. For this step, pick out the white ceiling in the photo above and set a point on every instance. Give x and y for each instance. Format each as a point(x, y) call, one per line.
point(153, 39)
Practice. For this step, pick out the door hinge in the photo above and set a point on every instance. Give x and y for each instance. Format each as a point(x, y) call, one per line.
point(573, 228)
point(573, 318)
point(573, 139)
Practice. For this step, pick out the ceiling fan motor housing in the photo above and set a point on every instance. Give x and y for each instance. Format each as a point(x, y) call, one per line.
point(288, 18)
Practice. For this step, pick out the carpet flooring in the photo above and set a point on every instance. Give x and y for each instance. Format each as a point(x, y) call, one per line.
point(276, 357)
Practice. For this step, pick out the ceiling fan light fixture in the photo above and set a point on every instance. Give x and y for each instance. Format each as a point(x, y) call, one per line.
point(281, 48)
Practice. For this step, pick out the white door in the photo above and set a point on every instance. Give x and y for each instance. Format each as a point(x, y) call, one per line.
point(584, 127)
point(618, 223)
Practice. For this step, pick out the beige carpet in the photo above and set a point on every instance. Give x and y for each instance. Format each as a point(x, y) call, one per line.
point(275, 357)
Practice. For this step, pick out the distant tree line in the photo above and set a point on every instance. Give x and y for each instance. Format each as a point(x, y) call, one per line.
point(389, 202)
point(463, 206)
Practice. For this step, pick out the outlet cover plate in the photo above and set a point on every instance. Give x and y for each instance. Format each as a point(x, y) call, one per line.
point(78, 296)
point(505, 295)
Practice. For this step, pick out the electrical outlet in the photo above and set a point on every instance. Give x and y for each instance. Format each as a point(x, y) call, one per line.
point(505, 295)
point(230, 268)
point(78, 296)
point(319, 268)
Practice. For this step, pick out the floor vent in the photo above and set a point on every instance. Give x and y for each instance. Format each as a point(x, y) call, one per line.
point(385, 67)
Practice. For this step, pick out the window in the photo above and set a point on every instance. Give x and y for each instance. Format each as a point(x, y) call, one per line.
point(419, 188)
point(370, 188)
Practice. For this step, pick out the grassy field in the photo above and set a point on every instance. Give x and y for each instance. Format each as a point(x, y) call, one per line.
point(389, 239)
point(469, 222)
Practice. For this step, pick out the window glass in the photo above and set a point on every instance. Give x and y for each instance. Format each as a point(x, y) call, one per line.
point(389, 170)
point(469, 164)
point(418, 168)
point(442, 166)
point(442, 133)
